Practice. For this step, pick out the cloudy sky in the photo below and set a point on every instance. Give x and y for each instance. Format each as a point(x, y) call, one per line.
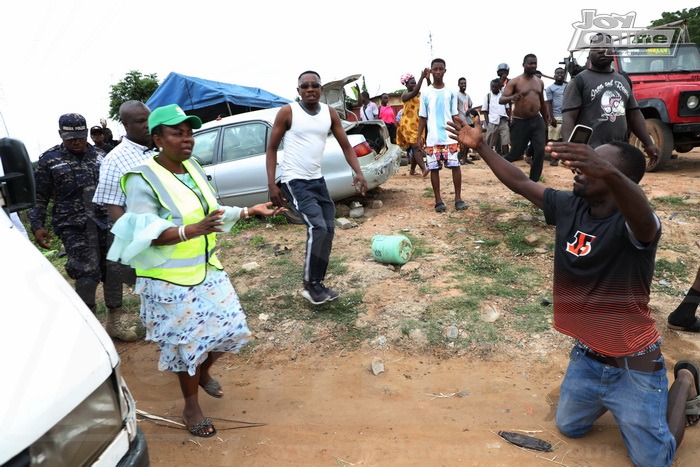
point(62, 57)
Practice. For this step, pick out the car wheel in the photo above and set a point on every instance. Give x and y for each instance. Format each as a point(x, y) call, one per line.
point(662, 137)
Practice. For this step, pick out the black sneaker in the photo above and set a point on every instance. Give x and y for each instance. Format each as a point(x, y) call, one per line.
point(315, 294)
point(332, 294)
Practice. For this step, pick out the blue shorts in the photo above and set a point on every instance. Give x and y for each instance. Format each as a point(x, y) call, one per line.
point(436, 155)
point(636, 399)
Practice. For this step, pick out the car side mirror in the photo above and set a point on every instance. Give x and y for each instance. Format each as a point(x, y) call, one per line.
point(16, 176)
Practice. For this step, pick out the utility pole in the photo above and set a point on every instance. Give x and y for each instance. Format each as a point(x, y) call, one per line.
point(430, 43)
point(7, 133)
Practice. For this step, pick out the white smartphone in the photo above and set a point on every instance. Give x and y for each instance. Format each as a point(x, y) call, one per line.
point(581, 134)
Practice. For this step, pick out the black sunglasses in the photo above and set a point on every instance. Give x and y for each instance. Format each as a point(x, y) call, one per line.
point(314, 85)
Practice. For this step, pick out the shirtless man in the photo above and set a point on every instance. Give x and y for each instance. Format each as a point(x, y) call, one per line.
point(525, 93)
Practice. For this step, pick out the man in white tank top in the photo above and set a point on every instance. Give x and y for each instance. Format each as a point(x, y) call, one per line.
point(304, 126)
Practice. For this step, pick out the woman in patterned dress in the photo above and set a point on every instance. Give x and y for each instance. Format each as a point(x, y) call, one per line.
point(168, 234)
point(407, 132)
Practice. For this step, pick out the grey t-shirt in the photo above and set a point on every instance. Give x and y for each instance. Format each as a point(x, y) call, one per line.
point(555, 93)
point(603, 100)
point(464, 103)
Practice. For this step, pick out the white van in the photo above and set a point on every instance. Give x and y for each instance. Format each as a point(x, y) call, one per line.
point(63, 401)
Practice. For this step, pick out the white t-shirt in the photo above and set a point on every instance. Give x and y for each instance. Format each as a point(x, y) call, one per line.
point(369, 112)
point(495, 110)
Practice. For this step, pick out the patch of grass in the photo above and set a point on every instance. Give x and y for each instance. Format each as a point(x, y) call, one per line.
point(245, 224)
point(499, 271)
point(278, 297)
point(515, 237)
point(480, 276)
point(669, 271)
point(462, 312)
point(427, 289)
point(343, 313)
point(256, 241)
point(671, 200)
point(491, 208)
point(337, 265)
point(247, 350)
point(428, 192)
point(520, 203)
point(420, 246)
point(277, 220)
point(503, 288)
point(408, 325)
point(532, 317)
point(490, 242)
point(224, 242)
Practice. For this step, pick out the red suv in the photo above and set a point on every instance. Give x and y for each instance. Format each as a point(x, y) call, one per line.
point(666, 83)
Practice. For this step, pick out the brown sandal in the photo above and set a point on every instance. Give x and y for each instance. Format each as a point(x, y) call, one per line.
point(213, 388)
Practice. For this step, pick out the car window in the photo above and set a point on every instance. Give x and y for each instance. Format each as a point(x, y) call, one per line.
point(204, 145)
point(245, 140)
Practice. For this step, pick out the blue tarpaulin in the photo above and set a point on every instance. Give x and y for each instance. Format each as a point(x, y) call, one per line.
point(210, 99)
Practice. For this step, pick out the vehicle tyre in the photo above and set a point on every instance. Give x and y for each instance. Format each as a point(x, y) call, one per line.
point(662, 137)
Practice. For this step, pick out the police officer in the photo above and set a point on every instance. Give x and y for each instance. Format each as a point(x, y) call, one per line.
point(67, 175)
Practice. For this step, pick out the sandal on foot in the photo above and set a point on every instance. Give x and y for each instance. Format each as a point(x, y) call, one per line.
point(692, 406)
point(460, 205)
point(200, 428)
point(695, 327)
point(691, 367)
point(440, 207)
point(213, 388)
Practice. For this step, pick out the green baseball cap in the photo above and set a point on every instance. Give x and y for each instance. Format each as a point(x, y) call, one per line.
point(171, 115)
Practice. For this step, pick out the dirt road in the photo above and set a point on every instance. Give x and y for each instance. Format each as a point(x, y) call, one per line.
point(322, 405)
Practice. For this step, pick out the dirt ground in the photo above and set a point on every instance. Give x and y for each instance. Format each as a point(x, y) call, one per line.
point(321, 404)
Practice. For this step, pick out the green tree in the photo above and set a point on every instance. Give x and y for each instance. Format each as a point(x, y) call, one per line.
point(690, 15)
point(134, 86)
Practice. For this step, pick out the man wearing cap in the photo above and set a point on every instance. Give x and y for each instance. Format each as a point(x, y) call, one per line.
point(98, 137)
point(67, 175)
point(134, 149)
point(502, 72)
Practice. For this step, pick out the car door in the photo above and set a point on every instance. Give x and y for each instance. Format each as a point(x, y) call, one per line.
point(237, 167)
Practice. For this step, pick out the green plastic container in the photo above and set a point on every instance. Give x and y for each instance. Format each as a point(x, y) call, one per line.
point(391, 249)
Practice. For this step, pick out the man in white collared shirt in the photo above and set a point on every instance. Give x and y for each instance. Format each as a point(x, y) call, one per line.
point(496, 116)
point(135, 147)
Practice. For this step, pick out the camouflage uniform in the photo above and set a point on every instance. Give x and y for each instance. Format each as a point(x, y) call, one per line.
point(69, 180)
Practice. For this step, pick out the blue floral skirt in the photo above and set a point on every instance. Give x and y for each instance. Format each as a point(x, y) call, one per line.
point(188, 322)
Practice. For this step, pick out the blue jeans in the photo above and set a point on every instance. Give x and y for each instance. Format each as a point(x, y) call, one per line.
point(312, 200)
point(636, 399)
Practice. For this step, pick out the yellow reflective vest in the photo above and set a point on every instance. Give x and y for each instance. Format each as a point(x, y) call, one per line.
point(188, 263)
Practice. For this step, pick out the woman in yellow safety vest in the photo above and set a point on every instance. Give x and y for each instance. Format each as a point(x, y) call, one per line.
point(168, 235)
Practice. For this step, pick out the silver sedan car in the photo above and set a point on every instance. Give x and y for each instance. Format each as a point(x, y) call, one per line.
point(232, 151)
